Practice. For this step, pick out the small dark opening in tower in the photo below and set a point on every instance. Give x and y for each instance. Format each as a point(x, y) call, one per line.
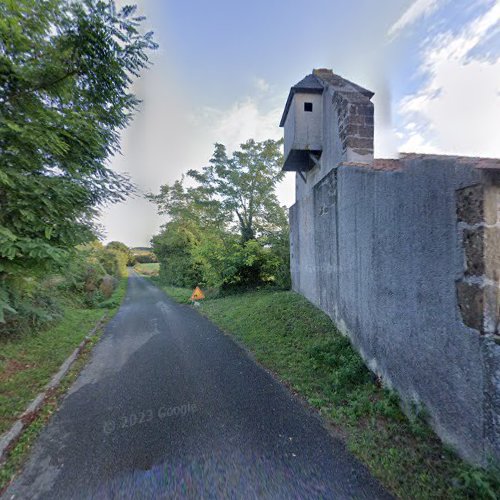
point(308, 106)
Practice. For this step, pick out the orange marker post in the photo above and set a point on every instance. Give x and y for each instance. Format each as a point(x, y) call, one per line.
point(197, 294)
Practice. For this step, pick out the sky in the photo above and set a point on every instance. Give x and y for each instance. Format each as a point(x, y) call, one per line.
point(224, 68)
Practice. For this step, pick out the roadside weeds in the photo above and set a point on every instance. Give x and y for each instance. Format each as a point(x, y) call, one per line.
point(33, 419)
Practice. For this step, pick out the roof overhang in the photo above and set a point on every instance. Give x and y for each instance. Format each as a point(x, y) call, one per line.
point(301, 160)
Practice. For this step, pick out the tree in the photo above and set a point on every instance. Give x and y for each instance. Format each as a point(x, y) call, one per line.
point(193, 204)
point(118, 246)
point(243, 185)
point(229, 230)
point(174, 248)
point(65, 71)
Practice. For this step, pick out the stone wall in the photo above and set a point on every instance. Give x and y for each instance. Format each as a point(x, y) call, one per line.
point(406, 263)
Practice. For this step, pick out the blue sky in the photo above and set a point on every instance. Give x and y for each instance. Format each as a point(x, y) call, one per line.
point(224, 69)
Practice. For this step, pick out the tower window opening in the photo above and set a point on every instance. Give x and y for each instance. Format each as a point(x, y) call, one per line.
point(308, 106)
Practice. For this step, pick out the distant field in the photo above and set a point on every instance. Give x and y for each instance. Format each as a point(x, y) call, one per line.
point(148, 269)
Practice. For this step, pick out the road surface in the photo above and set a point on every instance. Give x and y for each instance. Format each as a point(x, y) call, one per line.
point(170, 407)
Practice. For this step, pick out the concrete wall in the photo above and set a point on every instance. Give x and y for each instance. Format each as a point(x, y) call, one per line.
point(391, 257)
point(404, 256)
point(343, 124)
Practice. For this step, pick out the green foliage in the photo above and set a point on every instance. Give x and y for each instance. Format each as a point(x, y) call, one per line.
point(229, 230)
point(477, 483)
point(277, 265)
point(114, 261)
point(29, 361)
point(174, 248)
point(118, 246)
point(85, 278)
point(65, 71)
point(32, 303)
point(145, 257)
point(242, 186)
point(244, 266)
point(148, 268)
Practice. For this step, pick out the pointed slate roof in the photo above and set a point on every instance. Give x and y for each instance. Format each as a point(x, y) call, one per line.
point(308, 85)
point(340, 84)
point(317, 81)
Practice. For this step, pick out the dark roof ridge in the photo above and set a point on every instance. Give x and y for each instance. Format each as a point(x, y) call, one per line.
point(318, 80)
point(309, 84)
point(339, 82)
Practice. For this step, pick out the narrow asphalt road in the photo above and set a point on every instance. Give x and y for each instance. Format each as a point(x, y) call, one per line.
point(170, 407)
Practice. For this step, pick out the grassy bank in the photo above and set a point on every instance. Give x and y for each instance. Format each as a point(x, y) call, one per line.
point(28, 361)
point(302, 347)
point(181, 295)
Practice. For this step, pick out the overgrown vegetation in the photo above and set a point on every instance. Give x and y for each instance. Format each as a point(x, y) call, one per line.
point(301, 345)
point(143, 256)
point(65, 71)
point(87, 279)
point(228, 231)
point(28, 361)
point(27, 364)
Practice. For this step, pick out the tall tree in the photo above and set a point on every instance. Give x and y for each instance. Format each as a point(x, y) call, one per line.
point(243, 184)
point(65, 71)
point(229, 229)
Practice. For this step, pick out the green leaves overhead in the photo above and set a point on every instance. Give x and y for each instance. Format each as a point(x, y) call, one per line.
point(65, 72)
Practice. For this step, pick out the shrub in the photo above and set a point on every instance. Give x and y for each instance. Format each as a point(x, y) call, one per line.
point(146, 258)
point(87, 275)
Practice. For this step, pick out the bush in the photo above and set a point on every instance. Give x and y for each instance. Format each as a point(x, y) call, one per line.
point(121, 247)
point(191, 256)
point(114, 262)
point(87, 275)
point(245, 266)
point(31, 303)
point(146, 258)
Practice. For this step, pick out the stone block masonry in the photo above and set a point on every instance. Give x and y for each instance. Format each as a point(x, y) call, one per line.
point(404, 256)
point(479, 225)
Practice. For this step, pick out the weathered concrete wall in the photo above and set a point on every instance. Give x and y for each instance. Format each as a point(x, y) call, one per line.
point(407, 265)
point(404, 256)
point(347, 123)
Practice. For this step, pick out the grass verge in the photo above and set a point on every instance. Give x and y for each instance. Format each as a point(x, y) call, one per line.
point(27, 364)
point(300, 344)
point(180, 295)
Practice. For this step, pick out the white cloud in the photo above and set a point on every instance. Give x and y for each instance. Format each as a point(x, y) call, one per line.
point(457, 111)
point(262, 85)
point(415, 11)
point(244, 120)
